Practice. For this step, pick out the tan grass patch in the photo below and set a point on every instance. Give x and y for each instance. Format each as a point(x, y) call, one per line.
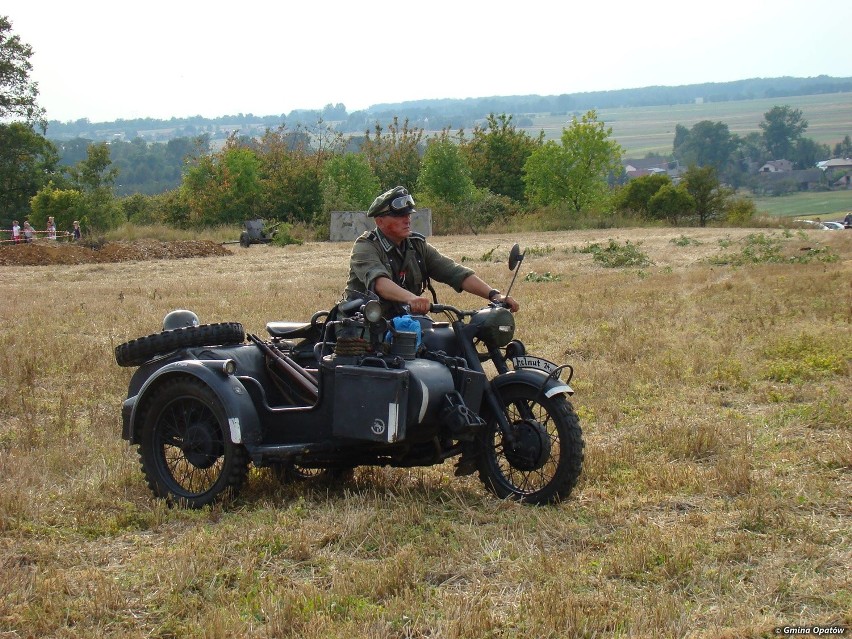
point(714, 500)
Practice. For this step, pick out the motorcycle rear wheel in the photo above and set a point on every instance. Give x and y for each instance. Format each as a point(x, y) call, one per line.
point(186, 450)
point(547, 465)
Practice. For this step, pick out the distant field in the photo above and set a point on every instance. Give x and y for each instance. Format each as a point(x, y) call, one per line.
point(828, 205)
point(642, 130)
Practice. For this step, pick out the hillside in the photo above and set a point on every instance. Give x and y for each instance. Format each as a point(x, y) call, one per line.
point(434, 115)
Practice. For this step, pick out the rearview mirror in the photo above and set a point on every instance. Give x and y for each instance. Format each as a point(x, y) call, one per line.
point(515, 257)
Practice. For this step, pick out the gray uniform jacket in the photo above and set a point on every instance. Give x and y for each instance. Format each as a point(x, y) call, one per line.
point(408, 265)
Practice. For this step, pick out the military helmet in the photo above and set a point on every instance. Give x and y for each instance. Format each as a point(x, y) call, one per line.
point(397, 201)
point(179, 319)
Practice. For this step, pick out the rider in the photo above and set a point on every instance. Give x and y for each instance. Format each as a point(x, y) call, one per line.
point(398, 264)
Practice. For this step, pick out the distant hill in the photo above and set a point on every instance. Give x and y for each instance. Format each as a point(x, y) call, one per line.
point(436, 114)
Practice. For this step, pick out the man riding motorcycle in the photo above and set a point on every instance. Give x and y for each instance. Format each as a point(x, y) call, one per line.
point(398, 264)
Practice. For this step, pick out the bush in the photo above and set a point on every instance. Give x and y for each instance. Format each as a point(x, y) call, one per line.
point(740, 211)
point(615, 255)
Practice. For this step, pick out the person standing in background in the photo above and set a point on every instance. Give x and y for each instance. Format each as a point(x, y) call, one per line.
point(16, 232)
point(51, 229)
point(29, 232)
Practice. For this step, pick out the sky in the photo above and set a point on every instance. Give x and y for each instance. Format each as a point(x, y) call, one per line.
point(109, 60)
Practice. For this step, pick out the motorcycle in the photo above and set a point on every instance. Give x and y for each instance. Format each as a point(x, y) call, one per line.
point(351, 388)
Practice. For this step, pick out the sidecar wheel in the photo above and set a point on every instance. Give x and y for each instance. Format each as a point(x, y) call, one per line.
point(186, 449)
point(546, 463)
point(138, 351)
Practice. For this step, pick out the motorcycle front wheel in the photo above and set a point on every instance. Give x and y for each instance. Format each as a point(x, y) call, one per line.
point(544, 464)
point(186, 449)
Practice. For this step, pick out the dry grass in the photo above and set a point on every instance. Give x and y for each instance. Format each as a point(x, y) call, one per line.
point(714, 501)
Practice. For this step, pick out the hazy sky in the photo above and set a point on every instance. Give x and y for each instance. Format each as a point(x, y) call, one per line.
point(105, 60)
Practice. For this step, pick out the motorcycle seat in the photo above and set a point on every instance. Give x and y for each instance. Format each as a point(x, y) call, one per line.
point(288, 330)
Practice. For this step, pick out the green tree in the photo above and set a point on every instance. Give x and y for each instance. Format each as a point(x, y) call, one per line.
point(94, 177)
point(292, 173)
point(843, 149)
point(348, 183)
point(18, 93)
point(671, 203)
point(445, 174)
point(575, 171)
point(224, 188)
point(64, 205)
point(394, 155)
point(808, 152)
point(638, 192)
point(782, 128)
point(28, 161)
point(710, 198)
point(497, 154)
point(706, 144)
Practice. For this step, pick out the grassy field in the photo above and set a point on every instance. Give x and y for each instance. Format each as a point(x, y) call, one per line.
point(642, 130)
point(712, 382)
point(829, 205)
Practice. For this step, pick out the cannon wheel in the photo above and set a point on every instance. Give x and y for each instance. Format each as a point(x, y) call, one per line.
point(138, 351)
point(245, 239)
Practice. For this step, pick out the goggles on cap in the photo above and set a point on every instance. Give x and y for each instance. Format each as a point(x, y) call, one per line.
point(400, 205)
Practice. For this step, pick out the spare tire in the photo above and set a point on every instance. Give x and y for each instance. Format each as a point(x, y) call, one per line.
point(138, 351)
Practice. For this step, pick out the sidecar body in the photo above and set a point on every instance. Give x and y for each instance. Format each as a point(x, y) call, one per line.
point(383, 409)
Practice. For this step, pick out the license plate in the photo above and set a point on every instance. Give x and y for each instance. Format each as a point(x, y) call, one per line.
point(538, 363)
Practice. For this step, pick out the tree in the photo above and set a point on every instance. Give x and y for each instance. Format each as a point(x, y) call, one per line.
point(782, 127)
point(444, 173)
point(64, 205)
point(94, 177)
point(223, 188)
point(18, 93)
point(497, 154)
point(636, 195)
point(577, 170)
point(28, 161)
point(706, 144)
point(292, 173)
point(843, 149)
point(348, 183)
point(394, 155)
point(708, 195)
point(808, 152)
point(671, 203)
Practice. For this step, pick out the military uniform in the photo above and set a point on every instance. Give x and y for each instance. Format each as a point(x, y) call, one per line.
point(410, 265)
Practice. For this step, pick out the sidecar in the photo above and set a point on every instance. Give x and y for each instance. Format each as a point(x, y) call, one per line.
point(204, 403)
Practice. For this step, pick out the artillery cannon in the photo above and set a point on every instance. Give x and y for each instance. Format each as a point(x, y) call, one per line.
point(255, 233)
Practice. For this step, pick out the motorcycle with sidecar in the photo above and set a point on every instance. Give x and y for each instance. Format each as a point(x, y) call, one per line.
point(350, 388)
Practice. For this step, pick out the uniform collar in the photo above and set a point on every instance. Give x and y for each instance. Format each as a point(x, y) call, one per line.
point(387, 245)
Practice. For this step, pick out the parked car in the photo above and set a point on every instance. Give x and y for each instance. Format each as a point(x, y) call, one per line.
point(834, 226)
point(812, 224)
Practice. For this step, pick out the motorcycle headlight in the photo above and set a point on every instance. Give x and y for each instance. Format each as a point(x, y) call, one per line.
point(498, 326)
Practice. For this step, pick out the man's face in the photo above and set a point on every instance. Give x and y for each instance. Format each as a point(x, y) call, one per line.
point(395, 227)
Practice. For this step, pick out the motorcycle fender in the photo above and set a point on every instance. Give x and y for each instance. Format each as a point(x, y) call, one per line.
point(534, 379)
point(239, 409)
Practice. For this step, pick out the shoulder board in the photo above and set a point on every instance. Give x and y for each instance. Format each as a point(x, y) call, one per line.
point(417, 236)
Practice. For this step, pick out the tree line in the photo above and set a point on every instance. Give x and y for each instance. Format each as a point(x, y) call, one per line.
point(470, 178)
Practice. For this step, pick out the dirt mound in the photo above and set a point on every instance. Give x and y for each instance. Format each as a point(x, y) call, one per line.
point(47, 252)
